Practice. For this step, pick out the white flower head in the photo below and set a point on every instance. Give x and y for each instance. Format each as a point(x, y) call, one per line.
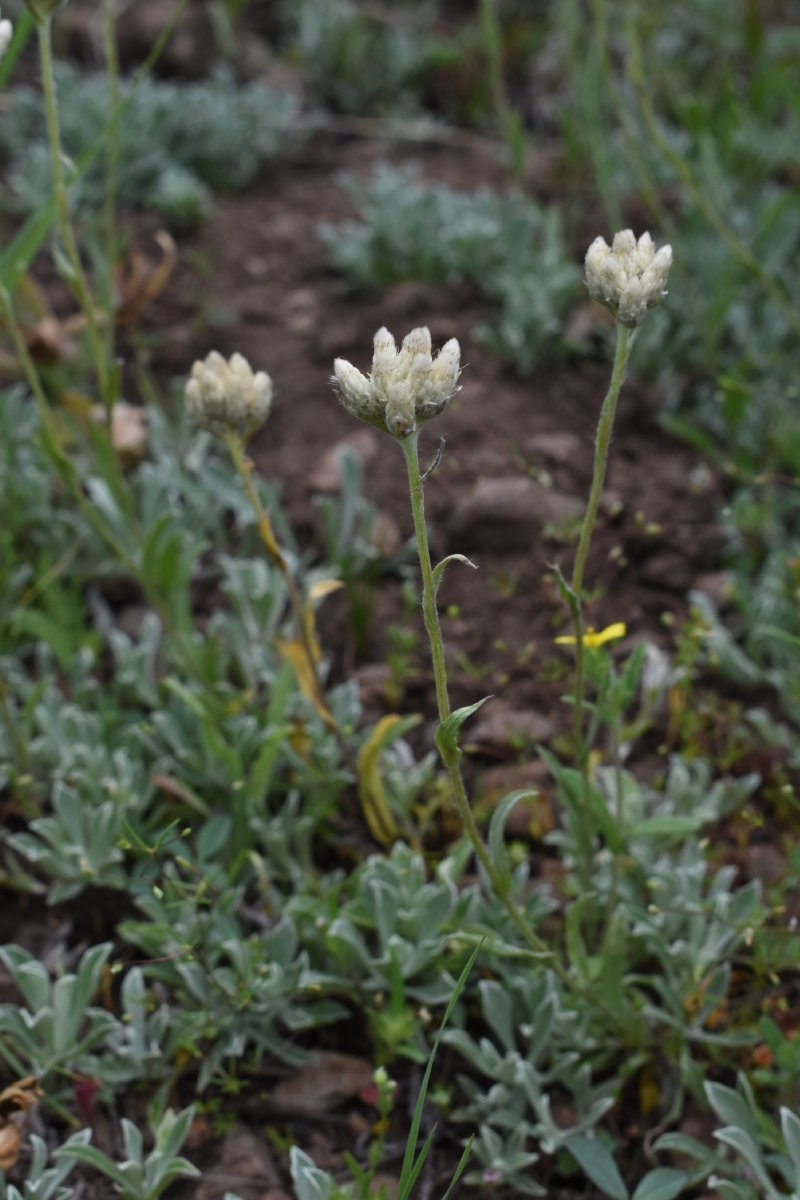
point(225, 396)
point(628, 276)
point(405, 387)
point(6, 33)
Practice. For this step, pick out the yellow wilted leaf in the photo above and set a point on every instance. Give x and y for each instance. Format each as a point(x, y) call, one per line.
point(78, 404)
point(676, 707)
point(269, 540)
point(300, 741)
point(294, 652)
point(649, 1090)
point(318, 591)
point(595, 761)
point(323, 588)
point(371, 792)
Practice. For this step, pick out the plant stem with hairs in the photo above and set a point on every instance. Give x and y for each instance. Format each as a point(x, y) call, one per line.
point(629, 277)
point(301, 610)
point(451, 756)
point(605, 426)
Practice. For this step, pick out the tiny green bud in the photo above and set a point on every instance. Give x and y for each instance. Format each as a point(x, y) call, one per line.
point(384, 1083)
point(406, 386)
point(628, 276)
point(224, 396)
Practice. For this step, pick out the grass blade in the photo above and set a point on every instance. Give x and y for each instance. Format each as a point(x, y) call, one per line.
point(411, 1169)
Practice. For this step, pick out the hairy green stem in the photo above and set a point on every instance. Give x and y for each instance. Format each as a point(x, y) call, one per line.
point(451, 758)
point(605, 426)
point(302, 620)
point(451, 762)
point(430, 612)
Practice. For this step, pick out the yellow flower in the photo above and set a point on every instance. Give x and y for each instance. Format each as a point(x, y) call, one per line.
point(592, 639)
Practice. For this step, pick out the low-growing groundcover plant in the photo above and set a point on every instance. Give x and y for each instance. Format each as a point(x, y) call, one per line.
point(195, 768)
point(508, 246)
point(165, 163)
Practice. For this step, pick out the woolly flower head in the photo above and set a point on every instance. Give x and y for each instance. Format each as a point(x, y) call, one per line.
point(6, 32)
point(406, 386)
point(225, 396)
point(628, 276)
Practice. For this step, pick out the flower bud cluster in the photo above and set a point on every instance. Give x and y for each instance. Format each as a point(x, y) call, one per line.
point(6, 32)
point(406, 386)
point(225, 395)
point(628, 276)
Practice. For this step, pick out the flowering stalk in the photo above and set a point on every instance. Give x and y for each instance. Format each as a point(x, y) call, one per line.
point(629, 277)
point(230, 401)
point(430, 616)
point(605, 426)
point(308, 677)
point(406, 388)
point(451, 755)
